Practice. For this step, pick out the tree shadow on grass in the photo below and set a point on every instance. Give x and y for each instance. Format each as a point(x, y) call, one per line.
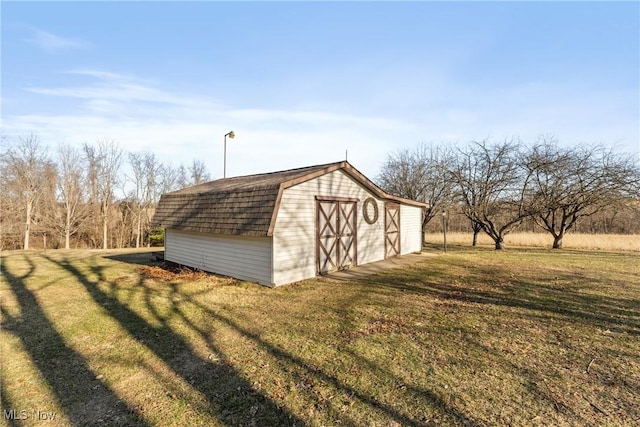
point(538, 382)
point(541, 296)
point(552, 294)
point(139, 258)
point(229, 396)
point(7, 405)
point(300, 369)
point(548, 387)
point(83, 398)
point(297, 367)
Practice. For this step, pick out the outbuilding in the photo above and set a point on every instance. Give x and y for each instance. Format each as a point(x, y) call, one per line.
point(282, 227)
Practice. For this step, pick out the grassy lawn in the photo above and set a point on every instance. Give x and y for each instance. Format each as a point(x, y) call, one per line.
point(474, 337)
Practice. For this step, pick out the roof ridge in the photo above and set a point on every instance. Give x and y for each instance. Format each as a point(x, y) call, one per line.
point(320, 166)
point(254, 181)
point(248, 205)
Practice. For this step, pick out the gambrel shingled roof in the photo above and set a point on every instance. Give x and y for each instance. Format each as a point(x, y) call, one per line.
point(246, 205)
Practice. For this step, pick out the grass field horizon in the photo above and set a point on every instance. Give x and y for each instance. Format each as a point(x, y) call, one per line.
point(602, 242)
point(527, 336)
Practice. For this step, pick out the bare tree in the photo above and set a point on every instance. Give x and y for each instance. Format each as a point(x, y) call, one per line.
point(492, 187)
point(181, 179)
point(137, 195)
point(147, 189)
point(155, 178)
point(421, 174)
point(198, 172)
point(26, 170)
point(476, 227)
point(103, 164)
point(91, 226)
point(11, 230)
point(70, 192)
point(573, 183)
point(168, 179)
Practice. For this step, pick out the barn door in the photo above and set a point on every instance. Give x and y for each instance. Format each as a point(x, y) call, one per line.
point(347, 237)
point(391, 230)
point(336, 234)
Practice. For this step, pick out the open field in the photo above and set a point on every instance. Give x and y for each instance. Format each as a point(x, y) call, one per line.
point(603, 242)
point(474, 337)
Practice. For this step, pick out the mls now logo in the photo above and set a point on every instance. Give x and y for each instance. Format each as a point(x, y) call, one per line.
point(13, 414)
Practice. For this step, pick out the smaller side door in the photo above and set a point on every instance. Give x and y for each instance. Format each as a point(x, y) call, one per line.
point(391, 230)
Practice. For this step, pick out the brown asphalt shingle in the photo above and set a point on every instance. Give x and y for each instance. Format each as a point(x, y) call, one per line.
point(242, 205)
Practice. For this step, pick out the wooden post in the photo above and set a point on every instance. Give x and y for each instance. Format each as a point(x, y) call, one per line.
point(444, 229)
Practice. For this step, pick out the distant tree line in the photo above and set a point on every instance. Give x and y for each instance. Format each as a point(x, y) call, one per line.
point(99, 196)
point(497, 187)
point(82, 197)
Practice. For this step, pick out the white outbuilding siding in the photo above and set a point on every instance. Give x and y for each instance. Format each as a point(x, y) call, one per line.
point(410, 229)
point(281, 227)
point(243, 257)
point(294, 235)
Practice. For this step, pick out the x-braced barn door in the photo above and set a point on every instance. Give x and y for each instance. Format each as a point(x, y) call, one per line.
point(336, 246)
point(391, 230)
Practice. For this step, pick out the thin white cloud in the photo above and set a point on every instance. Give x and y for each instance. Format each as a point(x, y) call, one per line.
point(101, 74)
point(52, 43)
point(179, 127)
point(258, 147)
point(114, 87)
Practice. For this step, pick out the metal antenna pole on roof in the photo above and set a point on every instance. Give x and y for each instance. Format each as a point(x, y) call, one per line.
point(346, 155)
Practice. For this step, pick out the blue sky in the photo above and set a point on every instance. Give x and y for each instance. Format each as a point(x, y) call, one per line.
point(302, 82)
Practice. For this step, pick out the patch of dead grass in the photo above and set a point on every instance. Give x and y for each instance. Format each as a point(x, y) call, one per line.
point(476, 337)
point(169, 272)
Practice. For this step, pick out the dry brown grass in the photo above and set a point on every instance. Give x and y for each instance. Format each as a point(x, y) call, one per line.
point(602, 242)
point(476, 337)
point(170, 272)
